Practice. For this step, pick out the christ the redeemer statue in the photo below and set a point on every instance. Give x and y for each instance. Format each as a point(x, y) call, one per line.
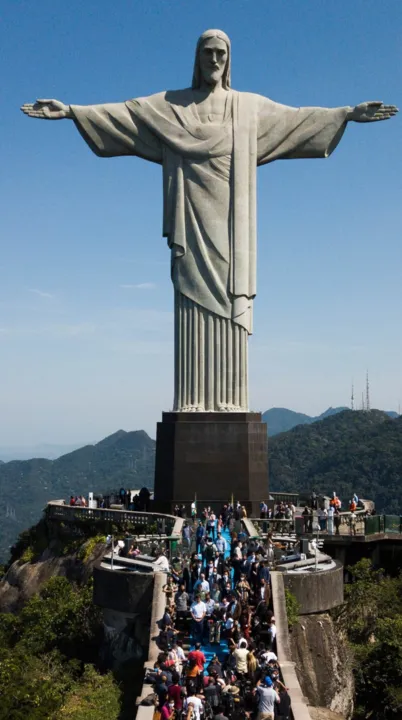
point(210, 140)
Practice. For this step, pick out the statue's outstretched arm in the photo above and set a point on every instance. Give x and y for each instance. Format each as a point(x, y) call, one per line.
point(371, 112)
point(48, 110)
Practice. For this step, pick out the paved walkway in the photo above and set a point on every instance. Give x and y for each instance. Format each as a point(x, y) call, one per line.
point(220, 650)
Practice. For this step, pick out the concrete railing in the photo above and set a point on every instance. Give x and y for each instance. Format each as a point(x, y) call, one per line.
point(250, 528)
point(300, 709)
point(158, 608)
point(167, 524)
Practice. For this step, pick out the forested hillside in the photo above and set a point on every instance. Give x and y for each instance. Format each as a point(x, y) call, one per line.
point(347, 452)
point(124, 458)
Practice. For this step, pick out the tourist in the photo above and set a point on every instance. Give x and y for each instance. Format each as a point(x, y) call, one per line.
point(306, 519)
point(240, 656)
point(134, 551)
point(201, 586)
point(195, 702)
point(263, 509)
point(267, 697)
point(161, 563)
point(221, 545)
point(198, 656)
point(175, 693)
point(284, 704)
point(210, 551)
point(212, 694)
point(198, 612)
point(330, 522)
point(211, 523)
point(181, 601)
point(352, 523)
point(243, 589)
point(170, 590)
point(220, 714)
point(322, 518)
point(186, 535)
point(168, 710)
point(337, 520)
point(199, 535)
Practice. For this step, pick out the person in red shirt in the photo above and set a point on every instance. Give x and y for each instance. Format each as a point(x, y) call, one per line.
point(198, 656)
point(175, 692)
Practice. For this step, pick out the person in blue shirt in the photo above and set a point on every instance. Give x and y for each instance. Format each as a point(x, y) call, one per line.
point(221, 544)
point(263, 572)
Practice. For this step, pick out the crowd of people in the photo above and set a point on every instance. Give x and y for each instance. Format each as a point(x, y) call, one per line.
point(218, 604)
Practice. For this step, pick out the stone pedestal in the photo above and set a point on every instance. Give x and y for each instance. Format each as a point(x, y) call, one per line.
point(212, 455)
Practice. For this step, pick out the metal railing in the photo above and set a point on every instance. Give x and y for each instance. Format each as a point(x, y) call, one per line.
point(389, 524)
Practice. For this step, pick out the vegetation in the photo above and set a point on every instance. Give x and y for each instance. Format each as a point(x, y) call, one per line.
point(372, 620)
point(47, 658)
point(347, 452)
point(122, 459)
point(292, 608)
point(281, 420)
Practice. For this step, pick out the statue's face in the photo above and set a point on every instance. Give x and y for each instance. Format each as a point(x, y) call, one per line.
point(213, 56)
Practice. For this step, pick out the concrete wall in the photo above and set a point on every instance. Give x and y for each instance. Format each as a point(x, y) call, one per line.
point(316, 592)
point(124, 591)
point(300, 710)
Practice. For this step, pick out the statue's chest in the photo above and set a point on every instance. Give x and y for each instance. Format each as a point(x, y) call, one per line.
point(212, 110)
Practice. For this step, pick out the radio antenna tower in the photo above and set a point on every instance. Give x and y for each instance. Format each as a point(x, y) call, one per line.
point(367, 393)
point(352, 398)
point(362, 407)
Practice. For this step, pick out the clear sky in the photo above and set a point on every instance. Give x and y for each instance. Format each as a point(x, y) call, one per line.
point(86, 322)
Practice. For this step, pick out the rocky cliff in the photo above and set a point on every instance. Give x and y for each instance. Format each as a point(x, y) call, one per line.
point(323, 664)
point(23, 579)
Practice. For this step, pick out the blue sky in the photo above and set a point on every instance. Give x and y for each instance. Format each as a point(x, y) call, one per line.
point(86, 323)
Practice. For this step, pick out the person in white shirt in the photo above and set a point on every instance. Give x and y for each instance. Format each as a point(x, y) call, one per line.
point(198, 611)
point(202, 585)
point(196, 705)
point(322, 518)
point(330, 523)
point(272, 633)
point(269, 655)
point(161, 564)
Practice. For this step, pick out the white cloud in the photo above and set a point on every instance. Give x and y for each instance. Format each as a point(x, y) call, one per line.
point(140, 286)
point(41, 293)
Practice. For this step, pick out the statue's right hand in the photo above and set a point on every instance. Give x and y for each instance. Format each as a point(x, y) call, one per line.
point(47, 110)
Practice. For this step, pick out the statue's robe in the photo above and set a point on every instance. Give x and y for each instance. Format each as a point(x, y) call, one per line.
point(209, 182)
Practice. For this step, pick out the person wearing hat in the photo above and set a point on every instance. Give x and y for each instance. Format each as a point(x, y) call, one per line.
point(267, 697)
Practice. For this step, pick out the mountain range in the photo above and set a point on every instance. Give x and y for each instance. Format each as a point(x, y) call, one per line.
point(124, 458)
point(345, 451)
point(281, 419)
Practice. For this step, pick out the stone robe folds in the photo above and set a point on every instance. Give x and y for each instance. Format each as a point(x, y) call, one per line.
point(209, 182)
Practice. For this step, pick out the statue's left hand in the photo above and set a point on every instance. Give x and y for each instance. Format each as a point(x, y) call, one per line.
point(372, 112)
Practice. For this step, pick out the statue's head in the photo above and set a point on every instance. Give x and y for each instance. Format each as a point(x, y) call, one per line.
point(212, 60)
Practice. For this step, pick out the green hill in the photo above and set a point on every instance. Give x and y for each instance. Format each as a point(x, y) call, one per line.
point(123, 459)
point(281, 419)
point(347, 452)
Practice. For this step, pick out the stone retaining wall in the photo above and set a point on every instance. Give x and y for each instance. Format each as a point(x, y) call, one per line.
point(316, 591)
point(300, 710)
